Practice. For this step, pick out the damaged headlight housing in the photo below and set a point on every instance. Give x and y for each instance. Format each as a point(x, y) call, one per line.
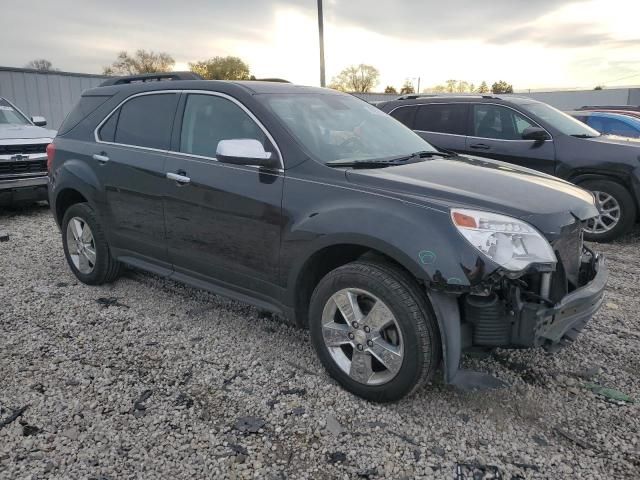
point(509, 242)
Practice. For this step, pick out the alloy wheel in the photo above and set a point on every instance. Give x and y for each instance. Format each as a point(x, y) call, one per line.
point(609, 217)
point(81, 245)
point(362, 336)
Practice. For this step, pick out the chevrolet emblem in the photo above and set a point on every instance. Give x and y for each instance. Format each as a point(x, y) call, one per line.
point(20, 157)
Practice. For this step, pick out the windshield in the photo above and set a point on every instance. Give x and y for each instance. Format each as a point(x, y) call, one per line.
point(560, 120)
point(10, 116)
point(340, 127)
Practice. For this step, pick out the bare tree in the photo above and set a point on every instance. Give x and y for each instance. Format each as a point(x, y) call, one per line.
point(141, 62)
point(407, 88)
point(40, 64)
point(356, 78)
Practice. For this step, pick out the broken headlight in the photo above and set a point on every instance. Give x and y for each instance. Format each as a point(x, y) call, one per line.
point(509, 242)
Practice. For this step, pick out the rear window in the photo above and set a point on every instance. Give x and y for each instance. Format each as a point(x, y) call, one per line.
point(83, 108)
point(405, 115)
point(143, 121)
point(442, 118)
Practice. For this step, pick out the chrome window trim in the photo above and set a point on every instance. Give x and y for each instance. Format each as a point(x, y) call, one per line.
point(471, 104)
point(197, 92)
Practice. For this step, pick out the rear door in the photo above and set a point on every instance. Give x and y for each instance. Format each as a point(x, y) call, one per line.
point(497, 133)
point(444, 125)
point(130, 159)
point(223, 224)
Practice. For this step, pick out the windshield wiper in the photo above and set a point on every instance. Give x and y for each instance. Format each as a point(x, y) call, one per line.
point(584, 135)
point(388, 162)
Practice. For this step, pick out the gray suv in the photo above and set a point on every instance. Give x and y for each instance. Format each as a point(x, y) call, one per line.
point(534, 135)
point(23, 157)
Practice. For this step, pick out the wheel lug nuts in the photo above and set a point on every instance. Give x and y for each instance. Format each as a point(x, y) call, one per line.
point(360, 347)
point(370, 343)
point(367, 329)
point(355, 325)
point(351, 335)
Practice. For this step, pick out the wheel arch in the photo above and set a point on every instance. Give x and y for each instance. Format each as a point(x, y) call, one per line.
point(331, 254)
point(65, 199)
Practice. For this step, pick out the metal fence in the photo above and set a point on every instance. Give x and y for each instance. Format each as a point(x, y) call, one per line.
point(53, 94)
point(50, 94)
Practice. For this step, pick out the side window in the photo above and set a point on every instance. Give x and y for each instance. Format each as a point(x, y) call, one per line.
point(143, 121)
point(617, 127)
point(208, 119)
point(442, 118)
point(493, 121)
point(405, 115)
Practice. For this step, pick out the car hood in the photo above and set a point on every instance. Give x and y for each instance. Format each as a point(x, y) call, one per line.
point(14, 132)
point(616, 140)
point(547, 202)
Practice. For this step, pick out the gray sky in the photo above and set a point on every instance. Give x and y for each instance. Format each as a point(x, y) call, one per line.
point(530, 43)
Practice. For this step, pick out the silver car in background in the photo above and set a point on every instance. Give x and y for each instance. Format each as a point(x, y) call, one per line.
point(23, 157)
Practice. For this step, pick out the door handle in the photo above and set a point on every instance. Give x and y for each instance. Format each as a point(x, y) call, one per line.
point(480, 146)
point(100, 158)
point(179, 177)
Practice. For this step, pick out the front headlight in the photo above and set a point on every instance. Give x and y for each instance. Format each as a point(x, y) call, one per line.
point(509, 242)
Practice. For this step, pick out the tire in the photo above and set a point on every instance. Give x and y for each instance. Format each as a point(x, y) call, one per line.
point(105, 269)
point(413, 333)
point(621, 198)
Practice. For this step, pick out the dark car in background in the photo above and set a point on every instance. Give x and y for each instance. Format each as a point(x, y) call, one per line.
point(610, 123)
point(23, 158)
point(532, 134)
point(319, 207)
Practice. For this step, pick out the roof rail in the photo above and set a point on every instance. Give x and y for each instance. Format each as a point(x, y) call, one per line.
point(443, 95)
point(412, 96)
point(151, 77)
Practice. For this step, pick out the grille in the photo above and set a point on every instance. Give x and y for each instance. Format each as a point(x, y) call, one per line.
point(17, 168)
point(24, 149)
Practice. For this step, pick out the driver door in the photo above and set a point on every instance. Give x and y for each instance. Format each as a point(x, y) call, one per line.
point(497, 133)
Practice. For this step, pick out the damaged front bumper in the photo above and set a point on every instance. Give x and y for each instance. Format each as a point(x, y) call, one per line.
point(510, 317)
point(554, 326)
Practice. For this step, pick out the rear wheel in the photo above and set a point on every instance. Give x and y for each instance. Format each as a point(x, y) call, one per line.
point(374, 331)
point(617, 211)
point(86, 248)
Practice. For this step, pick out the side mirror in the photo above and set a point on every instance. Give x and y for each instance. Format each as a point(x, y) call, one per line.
point(39, 121)
point(535, 133)
point(244, 151)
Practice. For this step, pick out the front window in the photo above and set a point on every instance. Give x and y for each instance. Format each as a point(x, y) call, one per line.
point(340, 127)
point(493, 121)
point(560, 121)
point(10, 116)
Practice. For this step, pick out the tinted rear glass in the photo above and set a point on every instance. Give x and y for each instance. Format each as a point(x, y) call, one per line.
point(146, 121)
point(442, 118)
point(83, 108)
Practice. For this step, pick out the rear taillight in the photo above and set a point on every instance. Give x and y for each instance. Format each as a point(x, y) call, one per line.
point(51, 152)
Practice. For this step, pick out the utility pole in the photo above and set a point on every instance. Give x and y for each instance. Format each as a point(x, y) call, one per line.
point(321, 33)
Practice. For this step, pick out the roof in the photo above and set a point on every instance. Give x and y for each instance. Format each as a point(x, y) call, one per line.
point(192, 81)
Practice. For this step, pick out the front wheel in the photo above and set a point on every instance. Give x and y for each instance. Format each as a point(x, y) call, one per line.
point(374, 331)
point(617, 211)
point(85, 246)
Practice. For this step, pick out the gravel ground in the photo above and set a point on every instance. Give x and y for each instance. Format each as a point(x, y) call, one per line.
point(147, 378)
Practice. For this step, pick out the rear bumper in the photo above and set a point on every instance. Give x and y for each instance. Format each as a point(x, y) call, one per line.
point(553, 326)
point(26, 189)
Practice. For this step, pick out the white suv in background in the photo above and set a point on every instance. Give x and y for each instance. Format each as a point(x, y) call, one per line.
point(23, 157)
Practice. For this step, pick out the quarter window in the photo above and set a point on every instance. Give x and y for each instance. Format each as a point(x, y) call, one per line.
point(442, 118)
point(208, 119)
point(143, 121)
point(493, 121)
